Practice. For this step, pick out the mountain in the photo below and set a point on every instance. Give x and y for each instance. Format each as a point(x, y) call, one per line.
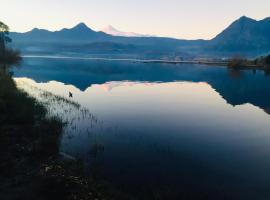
point(83, 40)
point(113, 31)
point(79, 33)
point(245, 36)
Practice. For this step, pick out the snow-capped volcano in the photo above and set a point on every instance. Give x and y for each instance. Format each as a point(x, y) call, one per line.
point(113, 31)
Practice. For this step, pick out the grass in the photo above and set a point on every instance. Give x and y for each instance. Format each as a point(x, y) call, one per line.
point(77, 119)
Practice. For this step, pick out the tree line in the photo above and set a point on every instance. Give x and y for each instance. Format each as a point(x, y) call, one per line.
point(238, 62)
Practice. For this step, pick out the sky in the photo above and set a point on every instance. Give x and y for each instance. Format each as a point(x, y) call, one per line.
point(185, 19)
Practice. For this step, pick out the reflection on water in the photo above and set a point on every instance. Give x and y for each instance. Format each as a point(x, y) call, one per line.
point(158, 134)
point(236, 87)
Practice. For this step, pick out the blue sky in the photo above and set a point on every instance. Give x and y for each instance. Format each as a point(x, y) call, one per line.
point(190, 19)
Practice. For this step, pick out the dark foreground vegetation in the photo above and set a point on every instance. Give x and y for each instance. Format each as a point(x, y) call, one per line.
point(9, 57)
point(262, 63)
point(31, 167)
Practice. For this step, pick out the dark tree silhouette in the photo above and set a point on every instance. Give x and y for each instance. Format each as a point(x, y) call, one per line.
point(267, 60)
point(8, 56)
point(4, 39)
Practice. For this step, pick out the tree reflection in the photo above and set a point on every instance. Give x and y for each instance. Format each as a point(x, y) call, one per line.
point(234, 73)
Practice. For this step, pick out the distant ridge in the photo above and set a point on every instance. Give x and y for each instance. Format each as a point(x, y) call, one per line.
point(244, 36)
point(80, 32)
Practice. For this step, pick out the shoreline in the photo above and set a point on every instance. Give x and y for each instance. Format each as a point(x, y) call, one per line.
point(158, 61)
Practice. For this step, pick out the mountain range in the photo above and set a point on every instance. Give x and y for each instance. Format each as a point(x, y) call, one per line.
point(244, 36)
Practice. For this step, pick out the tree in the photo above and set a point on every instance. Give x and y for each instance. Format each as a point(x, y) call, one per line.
point(4, 39)
point(8, 56)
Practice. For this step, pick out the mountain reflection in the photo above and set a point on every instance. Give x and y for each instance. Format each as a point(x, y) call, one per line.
point(236, 87)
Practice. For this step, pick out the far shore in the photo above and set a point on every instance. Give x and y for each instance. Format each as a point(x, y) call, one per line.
point(246, 66)
point(130, 59)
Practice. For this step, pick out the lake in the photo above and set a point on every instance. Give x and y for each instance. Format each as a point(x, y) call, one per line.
point(163, 131)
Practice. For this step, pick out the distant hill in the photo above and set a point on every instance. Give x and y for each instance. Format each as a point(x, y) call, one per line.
point(244, 36)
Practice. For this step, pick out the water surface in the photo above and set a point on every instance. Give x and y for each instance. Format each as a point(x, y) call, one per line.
point(165, 131)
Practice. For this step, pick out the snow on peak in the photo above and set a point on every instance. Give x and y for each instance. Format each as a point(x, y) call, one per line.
point(113, 31)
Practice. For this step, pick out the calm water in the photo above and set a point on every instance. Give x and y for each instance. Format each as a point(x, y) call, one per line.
point(165, 131)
